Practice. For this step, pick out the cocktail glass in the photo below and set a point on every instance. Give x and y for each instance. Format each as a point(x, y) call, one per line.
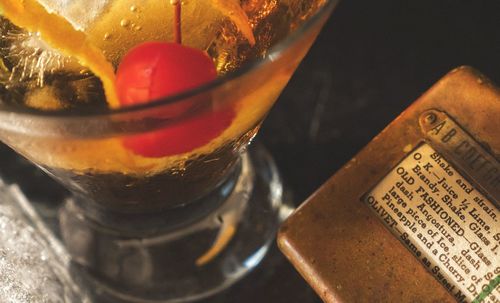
point(143, 227)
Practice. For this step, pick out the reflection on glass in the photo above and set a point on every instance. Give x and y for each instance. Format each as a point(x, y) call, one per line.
point(156, 169)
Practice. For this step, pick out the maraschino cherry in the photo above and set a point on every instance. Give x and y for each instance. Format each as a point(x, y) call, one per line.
point(155, 70)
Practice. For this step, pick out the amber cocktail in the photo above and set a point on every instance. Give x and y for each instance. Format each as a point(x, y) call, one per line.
point(167, 204)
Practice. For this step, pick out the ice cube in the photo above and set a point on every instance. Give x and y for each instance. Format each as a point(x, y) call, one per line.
point(80, 13)
point(25, 56)
point(230, 49)
point(44, 98)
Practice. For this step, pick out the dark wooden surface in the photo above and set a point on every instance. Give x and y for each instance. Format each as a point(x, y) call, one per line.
point(371, 61)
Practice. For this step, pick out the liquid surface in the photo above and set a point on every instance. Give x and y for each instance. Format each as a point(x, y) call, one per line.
point(42, 70)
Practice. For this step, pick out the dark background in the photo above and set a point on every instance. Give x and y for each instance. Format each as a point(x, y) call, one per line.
point(371, 61)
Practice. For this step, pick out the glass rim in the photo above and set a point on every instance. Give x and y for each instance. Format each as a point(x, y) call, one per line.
point(273, 53)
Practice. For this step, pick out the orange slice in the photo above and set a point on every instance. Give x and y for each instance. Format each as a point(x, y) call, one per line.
point(88, 48)
point(93, 155)
point(60, 34)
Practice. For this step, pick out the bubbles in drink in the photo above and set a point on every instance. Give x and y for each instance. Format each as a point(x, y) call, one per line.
point(28, 63)
point(220, 27)
point(124, 23)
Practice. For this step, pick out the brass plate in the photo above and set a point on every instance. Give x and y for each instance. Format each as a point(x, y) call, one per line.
point(339, 245)
point(459, 147)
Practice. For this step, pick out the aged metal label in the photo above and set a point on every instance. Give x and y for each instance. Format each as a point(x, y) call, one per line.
point(451, 227)
point(463, 151)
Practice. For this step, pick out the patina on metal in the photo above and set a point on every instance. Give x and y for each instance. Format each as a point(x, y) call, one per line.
point(450, 139)
point(338, 244)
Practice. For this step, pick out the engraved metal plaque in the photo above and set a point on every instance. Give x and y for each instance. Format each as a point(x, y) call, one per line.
point(468, 155)
point(368, 235)
point(440, 217)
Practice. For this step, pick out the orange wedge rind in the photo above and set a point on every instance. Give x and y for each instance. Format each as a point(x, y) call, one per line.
point(60, 34)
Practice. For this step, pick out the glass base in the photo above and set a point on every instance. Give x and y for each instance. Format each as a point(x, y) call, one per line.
point(122, 260)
